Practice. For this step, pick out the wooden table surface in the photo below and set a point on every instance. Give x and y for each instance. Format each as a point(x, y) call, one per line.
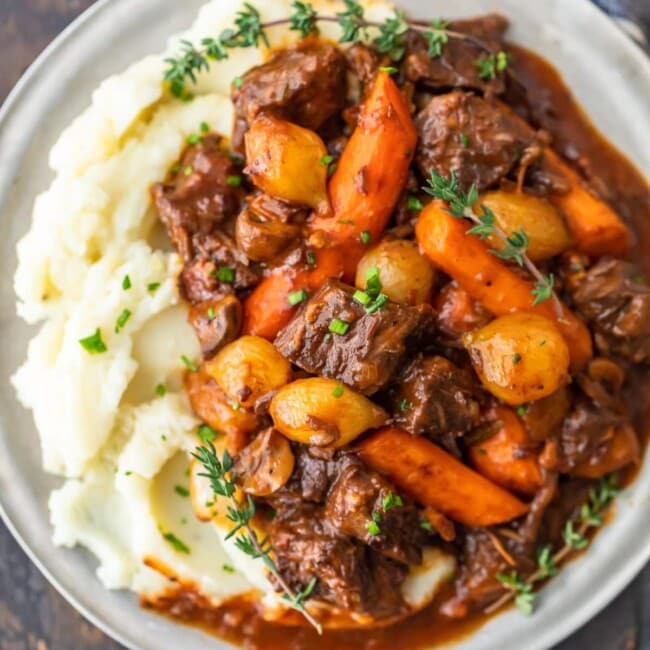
point(32, 614)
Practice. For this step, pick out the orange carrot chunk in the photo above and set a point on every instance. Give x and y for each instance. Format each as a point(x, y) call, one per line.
point(432, 477)
point(489, 280)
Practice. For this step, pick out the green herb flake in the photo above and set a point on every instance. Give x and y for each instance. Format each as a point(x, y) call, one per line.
point(226, 274)
point(310, 256)
point(161, 390)
point(338, 326)
point(521, 410)
point(181, 491)
point(227, 568)
point(425, 524)
point(373, 283)
point(188, 170)
point(153, 287)
point(234, 181)
point(94, 344)
point(388, 69)
point(338, 391)
point(414, 204)
point(194, 138)
point(404, 405)
point(391, 501)
point(122, 320)
point(365, 237)
point(205, 127)
point(362, 297)
point(189, 364)
point(326, 160)
point(297, 297)
point(516, 358)
point(206, 433)
point(464, 140)
point(373, 528)
point(178, 545)
point(126, 283)
point(211, 313)
point(238, 82)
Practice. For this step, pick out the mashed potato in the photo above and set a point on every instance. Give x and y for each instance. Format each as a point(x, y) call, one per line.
point(104, 420)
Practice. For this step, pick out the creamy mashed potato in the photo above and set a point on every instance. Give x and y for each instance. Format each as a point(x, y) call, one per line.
point(122, 445)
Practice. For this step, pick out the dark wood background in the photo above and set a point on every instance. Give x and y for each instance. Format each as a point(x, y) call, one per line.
point(32, 615)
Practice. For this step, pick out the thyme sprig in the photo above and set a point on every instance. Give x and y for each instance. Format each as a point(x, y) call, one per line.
point(575, 539)
point(249, 30)
point(241, 514)
point(463, 205)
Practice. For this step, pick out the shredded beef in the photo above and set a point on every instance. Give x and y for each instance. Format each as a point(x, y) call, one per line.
point(613, 299)
point(456, 65)
point(434, 396)
point(478, 141)
point(368, 354)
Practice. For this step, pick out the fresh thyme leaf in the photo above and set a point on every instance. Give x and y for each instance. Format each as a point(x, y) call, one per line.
point(94, 344)
point(524, 596)
point(489, 66)
point(515, 249)
point(486, 226)
point(543, 289)
point(249, 27)
point(215, 49)
point(545, 563)
point(178, 545)
point(352, 22)
point(303, 19)
point(573, 538)
point(186, 66)
point(436, 37)
point(391, 39)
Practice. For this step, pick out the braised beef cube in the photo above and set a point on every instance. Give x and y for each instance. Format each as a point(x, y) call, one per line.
point(305, 84)
point(363, 505)
point(364, 61)
point(199, 195)
point(368, 347)
point(456, 65)
point(613, 298)
point(216, 323)
point(478, 141)
point(218, 269)
point(436, 397)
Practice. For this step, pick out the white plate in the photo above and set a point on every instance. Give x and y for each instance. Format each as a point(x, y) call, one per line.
point(610, 76)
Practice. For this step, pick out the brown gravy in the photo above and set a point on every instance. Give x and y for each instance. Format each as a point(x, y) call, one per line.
point(539, 95)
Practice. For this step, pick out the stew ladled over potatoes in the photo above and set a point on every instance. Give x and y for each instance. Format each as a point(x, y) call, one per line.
point(387, 372)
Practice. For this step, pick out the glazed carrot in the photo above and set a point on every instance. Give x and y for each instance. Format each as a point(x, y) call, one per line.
point(596, 229)
point(432, 477)
point(373, 168)
point(497, 457)
point(267, 310)
point(594, 226)
point(622, 450)
point(489, 280)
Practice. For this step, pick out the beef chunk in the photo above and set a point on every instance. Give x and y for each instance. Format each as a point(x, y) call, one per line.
point(218, 269)
point(456, 66)
point(359, 495)
point(612, 299)
point(367, 355)
point(198, 196)
point(433, 396)
point(480, 142)
point(365, 61)
point(585, 435)
point(216, 323)
point(305, 84)
point(320, 529)
point(267, 227)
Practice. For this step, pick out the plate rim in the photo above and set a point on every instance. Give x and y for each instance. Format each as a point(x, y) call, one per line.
point(579, 617)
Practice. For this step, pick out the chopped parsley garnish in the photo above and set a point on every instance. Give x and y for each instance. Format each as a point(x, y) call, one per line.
point(122, 320)
point(235, 406)
point(297, 297)
point(194, 138)
point(226, 274)
point(175, 168)
point(153, 286)
point(404, 405)
point(238, 82)
point(94, 344)
point(178, 545)
point(161, 390)
point(425, 524)
point(365, 237)
point(338, 326)
point(188, 170)
point(205, 127)
point(331, 169)
point(516, 358)
point(181, 491)
point(234, 181)
point(414, 204)
point(338, 391)
point(521, 411)
point(464, 139)
point(228, 569)
point(206, 433)
point(326, 160)
point(310, 256)
point(126, 283)
point(211, 313)
point(388, 69)
point(189, 364)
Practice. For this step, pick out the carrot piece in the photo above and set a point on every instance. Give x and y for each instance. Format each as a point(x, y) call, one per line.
point(496, 457)
point(489, 280)
point(595, 227)
point(267, 310)
point(622, 450)
point(373, 168)
point(434, 478)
